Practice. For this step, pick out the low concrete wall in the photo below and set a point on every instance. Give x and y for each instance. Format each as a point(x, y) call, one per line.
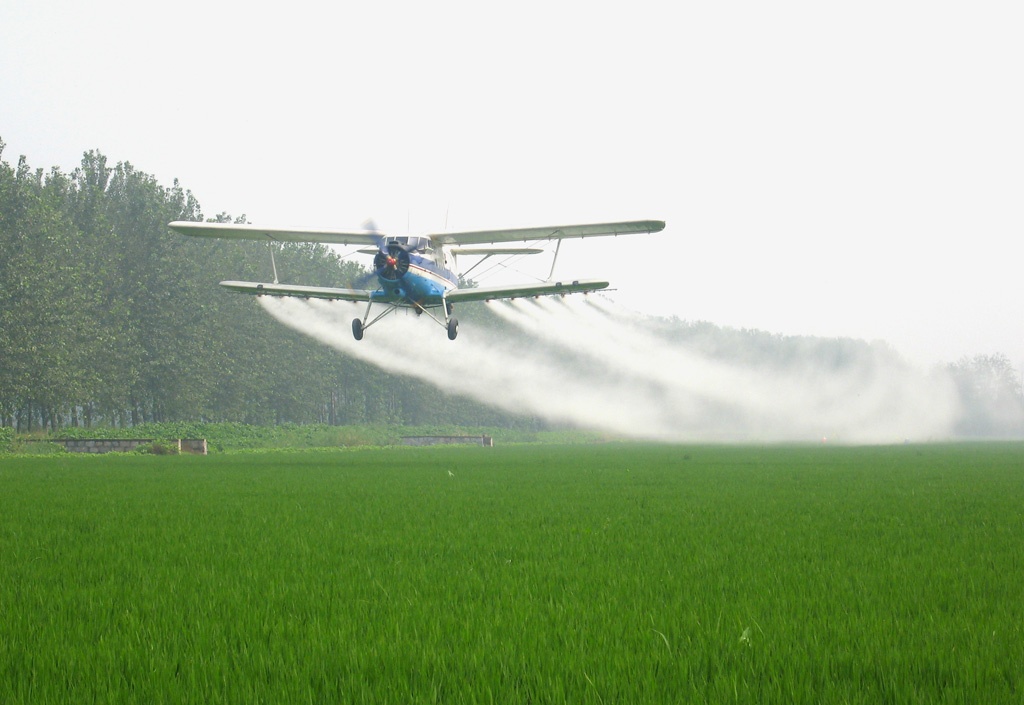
point(195, 446)
point(485, 441)
point(103, 445)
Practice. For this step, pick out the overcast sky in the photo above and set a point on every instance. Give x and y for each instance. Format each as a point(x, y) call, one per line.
point(836, 169)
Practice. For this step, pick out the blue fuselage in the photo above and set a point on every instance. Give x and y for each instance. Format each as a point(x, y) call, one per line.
point(425, 283)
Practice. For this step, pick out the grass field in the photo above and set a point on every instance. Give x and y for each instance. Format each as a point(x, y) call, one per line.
point(533, 574)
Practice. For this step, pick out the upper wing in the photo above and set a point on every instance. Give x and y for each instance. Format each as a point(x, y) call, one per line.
point(255, 232)
point(554, 232)
point(305, 292)
point(369, 237)
point(487, 293)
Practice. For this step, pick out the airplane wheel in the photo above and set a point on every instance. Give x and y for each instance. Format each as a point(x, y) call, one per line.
point(357, 329)
point(453, 328)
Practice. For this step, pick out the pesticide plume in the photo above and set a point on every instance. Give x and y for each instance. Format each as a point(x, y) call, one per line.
point(591, 363)
point(871, 396)
point(501, 373)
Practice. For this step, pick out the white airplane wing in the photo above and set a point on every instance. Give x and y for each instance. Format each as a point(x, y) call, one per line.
point(488, 293)
point(554, 232)
point(255, 232)
point(304, 292)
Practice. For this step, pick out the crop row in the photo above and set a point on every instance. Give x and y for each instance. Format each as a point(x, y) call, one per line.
point(597, 574)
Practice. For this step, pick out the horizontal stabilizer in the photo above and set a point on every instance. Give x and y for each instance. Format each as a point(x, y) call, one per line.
point(304, 292)
point(488, 251)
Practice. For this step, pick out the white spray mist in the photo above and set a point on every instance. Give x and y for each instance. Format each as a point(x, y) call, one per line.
point(590, 363)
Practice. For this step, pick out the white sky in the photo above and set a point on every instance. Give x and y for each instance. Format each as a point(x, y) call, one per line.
point(851, 169)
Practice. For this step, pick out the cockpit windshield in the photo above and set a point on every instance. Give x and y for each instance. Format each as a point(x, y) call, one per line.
point(413, 244)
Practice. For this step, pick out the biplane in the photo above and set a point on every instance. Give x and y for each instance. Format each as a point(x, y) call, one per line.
point(419, 273)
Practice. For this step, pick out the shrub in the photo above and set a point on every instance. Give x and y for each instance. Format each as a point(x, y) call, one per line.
point(36, 447)
point(6, 439)
point(160, 448)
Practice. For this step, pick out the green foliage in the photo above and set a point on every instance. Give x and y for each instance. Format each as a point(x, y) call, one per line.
point(6, 439)
point(158, 447)
point(582, 574)
point(992, 399)
point(109, 319)
point(37, 447)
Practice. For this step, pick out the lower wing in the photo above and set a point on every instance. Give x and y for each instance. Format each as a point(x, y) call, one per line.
point(579, 286)
point(305, 292)
point(489, 293)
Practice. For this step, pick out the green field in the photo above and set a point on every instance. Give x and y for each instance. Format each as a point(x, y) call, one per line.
point(532, 574)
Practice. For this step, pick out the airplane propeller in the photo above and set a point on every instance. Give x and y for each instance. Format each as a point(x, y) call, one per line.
point(391, 261)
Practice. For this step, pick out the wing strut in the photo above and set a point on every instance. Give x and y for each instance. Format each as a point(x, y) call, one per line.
point(558, 247)
point(273, 264)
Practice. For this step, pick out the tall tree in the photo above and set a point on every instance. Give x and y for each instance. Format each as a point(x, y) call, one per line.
point(992, 404)
point(106, 317)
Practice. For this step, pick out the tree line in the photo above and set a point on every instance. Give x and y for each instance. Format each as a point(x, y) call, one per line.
point(109, 319)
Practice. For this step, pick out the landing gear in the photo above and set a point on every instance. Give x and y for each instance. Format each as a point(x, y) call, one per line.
point(359, 325)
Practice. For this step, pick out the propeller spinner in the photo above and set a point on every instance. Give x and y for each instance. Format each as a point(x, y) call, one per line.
point(391, 262)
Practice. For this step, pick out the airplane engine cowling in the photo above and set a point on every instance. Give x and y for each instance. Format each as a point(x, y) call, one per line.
point(393, 263)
